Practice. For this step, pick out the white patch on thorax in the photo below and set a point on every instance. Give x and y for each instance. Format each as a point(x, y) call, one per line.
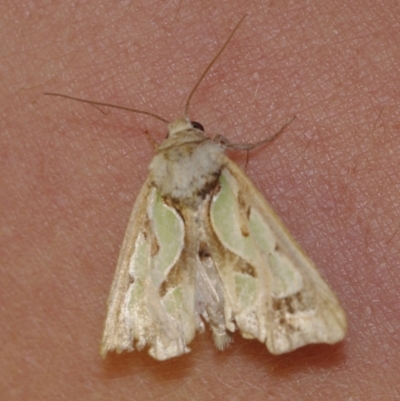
point(187, 165)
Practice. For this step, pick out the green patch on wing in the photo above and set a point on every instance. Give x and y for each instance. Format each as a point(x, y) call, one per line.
point(169, 230)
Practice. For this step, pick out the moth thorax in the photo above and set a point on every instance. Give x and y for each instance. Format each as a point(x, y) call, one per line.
point(188, 171)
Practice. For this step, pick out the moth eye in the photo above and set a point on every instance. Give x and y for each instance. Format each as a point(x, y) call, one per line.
point(197, 125)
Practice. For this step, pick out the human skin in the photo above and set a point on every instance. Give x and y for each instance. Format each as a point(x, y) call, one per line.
point(70, 174)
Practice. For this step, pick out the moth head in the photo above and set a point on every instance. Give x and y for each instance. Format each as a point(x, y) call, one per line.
point(183, 124)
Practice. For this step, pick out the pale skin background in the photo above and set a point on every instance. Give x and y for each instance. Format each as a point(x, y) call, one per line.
point(70, 175)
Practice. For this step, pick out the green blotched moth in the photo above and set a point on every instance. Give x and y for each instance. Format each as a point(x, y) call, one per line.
point(202, 245)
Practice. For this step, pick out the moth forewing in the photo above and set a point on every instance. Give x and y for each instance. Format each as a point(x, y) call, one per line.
point(275, 291)
point(151, 301)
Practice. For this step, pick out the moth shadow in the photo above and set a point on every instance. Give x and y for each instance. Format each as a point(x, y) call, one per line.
point(129, 364)
point(203, 353)
point(314, 356)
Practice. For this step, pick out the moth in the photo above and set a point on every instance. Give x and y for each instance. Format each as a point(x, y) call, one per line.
point(203, 246)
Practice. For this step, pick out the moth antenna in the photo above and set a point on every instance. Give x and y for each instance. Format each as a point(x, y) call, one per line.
point(148, 113)
point(114, 106)
point(210, 65)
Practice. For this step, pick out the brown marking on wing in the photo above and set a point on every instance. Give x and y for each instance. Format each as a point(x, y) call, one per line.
point(244, 214)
